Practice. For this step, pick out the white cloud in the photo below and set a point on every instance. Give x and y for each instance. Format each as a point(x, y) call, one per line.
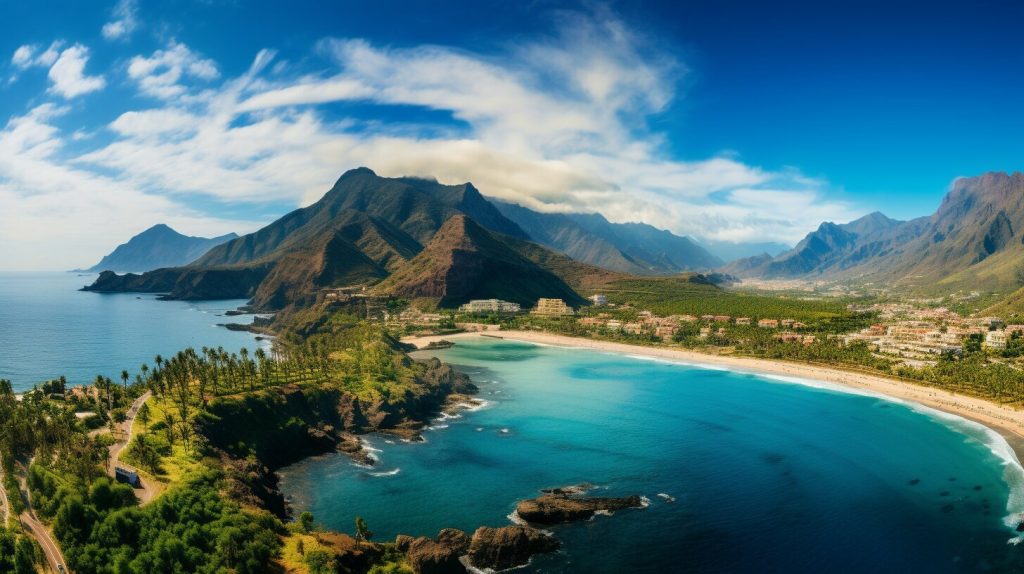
point(23, 56)
point(67, 74)
point(58, 216)
point(557, 124)
point(28, 56)
point(160, 75)
point(124, 20)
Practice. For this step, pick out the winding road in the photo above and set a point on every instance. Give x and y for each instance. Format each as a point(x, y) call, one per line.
point(149, 489)
point(4, 504)
point(28, 519)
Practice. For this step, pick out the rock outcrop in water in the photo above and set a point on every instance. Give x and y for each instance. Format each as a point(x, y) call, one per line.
point(508, 546)
point(560, 505)
point(436, 555)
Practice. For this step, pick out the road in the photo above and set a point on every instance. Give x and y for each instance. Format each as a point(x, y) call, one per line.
point(3, 502)
point(149, 489)
point(28, 519)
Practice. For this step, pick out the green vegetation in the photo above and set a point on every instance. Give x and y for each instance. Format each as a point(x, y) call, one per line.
point(689, 295)
point(191, 529)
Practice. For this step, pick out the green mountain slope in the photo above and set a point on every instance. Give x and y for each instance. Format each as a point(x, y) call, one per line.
point(465, 261)
point(363, 230)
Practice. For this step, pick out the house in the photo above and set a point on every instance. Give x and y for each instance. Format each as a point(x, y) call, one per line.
point(995, 339)
point(788, 323)
point(614, 325)
point(768, 323)
point(722, 318)
point(665, 332)
point(592, 322)
point(704, 332)
point(127, 476)
point(552, 308)
point(489, 306)
point(742, 320)
point(635, 328)
point(599, 300)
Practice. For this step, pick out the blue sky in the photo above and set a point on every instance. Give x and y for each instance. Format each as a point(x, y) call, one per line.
point(736, 121)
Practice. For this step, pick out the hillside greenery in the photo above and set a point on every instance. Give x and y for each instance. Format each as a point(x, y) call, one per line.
point(689, 295)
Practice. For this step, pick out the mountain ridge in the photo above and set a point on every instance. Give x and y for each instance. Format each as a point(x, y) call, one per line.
point(972, 241)
point(156, 247)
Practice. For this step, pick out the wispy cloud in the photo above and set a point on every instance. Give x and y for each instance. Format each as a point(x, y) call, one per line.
point(160, 75)
point(558, 123)
point(124, 20)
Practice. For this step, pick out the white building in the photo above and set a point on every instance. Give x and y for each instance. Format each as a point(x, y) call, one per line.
point(599, 300)
point(489, 306)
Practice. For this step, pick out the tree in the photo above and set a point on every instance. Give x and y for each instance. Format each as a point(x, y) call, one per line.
point(306, 521)
point(143, 416)
point(362, 530)
point(124, 379)
point(24, 557)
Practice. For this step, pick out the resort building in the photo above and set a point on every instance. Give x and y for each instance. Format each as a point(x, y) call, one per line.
point(490, 306)
point(995, 339)
point(599, 300)
point(552, 308)
point(665, 332)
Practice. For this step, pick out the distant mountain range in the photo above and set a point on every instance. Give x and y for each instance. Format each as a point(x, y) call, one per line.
point(367, 229)
point(973, 241)
point(159, 246)
point(635, 248)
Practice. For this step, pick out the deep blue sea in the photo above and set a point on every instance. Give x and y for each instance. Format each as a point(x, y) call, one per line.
point(48, 328)
point(768, 475)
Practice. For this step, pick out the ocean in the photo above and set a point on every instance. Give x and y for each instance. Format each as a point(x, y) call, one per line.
point(48, 328)
point(744, 473)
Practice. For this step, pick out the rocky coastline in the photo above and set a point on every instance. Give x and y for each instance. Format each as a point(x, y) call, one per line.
point(277, 427)
point(492, 549)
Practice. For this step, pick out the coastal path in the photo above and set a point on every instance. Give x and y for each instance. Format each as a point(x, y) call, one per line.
point(123, 435)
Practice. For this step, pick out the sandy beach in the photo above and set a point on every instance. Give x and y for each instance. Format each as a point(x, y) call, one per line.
point(1007, 421)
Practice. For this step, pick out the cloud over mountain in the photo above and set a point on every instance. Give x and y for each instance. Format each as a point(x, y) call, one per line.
point(565, 121)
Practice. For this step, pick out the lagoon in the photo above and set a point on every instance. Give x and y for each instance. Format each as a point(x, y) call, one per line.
point(767, 475)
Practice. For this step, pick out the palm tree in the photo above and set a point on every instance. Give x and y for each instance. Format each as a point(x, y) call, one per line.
point(124, 379)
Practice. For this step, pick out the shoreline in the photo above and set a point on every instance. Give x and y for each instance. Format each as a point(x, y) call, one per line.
point(1006, 421)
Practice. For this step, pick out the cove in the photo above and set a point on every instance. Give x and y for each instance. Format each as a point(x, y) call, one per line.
point(767, 475)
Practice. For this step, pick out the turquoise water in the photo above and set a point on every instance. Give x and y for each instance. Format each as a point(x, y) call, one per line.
point(48, 328)
point(768, 475)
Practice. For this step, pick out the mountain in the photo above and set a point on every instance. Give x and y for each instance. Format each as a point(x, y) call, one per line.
point(363, 230)
point(729, 251)
point(464, 261)
point(635, 248)
point(833, 249)
point(159, 246)
point(972, 242)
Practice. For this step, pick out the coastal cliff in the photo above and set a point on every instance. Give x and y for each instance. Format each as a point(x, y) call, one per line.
point(257, 433)
point(185, 283)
